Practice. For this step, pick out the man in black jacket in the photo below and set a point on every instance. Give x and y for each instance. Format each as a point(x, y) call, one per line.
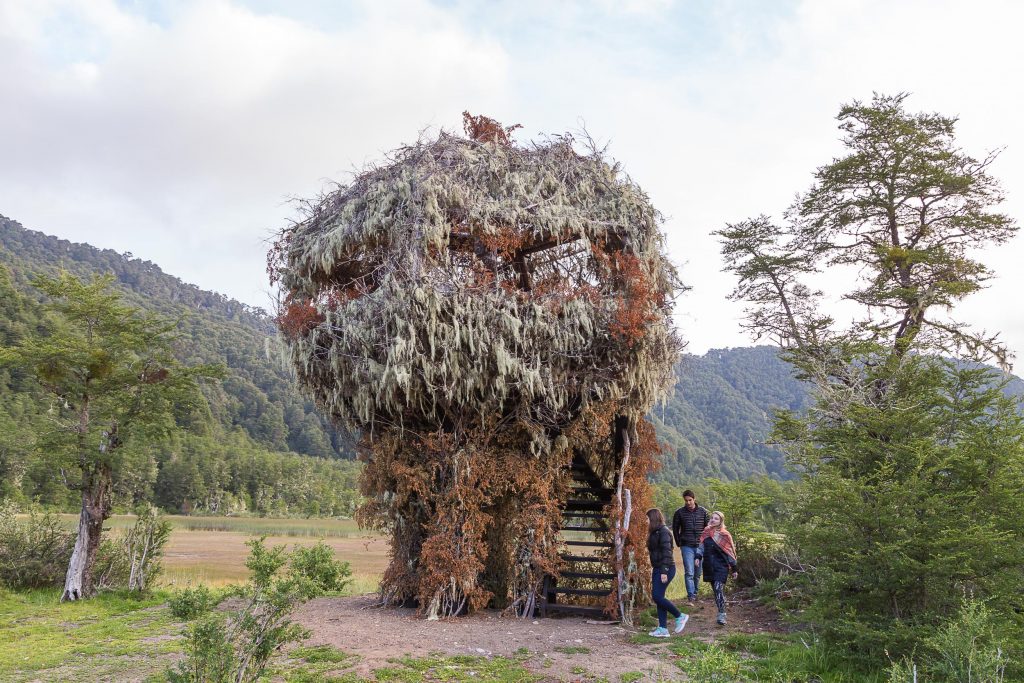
point(687, 525)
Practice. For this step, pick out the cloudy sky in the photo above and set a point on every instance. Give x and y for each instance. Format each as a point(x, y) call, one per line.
point(179, 131)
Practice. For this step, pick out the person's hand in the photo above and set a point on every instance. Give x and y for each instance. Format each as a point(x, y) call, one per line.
point(696, 562)
point(664, 578)
point(735, 575)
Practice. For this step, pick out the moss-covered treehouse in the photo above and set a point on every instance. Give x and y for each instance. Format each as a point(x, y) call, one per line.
point(494, 320)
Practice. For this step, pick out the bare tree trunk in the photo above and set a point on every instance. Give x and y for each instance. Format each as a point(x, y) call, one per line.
point(621, 528)
point(96, 504)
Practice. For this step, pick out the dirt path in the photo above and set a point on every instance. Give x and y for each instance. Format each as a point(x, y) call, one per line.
point(558, 645)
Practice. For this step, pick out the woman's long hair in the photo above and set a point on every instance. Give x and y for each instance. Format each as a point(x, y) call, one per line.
point(655, 518)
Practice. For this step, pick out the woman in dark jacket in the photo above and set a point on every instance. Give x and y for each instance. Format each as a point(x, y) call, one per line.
point(663, 566)
point(717, 555)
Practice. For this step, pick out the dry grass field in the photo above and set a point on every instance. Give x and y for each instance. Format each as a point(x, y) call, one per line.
point(212, 550)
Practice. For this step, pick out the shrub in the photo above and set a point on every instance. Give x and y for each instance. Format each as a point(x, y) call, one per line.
point(144, 546)
point(758, 561)
point(966, 648)
point(189, 603)
point(236, 647)
point(34, 550)
point(134, 560)
point(112, 565)
point(317, 564)
point(209, 654)
point(902, 671)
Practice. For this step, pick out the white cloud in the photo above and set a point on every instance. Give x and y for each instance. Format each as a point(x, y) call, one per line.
point(182, 143)
point(180, 140)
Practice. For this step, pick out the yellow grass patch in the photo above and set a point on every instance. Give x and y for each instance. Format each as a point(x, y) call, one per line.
point(212, 550)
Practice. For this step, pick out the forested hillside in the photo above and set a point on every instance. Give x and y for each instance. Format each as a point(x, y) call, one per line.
point(242, 454)
point(257, 445)
point(258, 397)
point(716, 420)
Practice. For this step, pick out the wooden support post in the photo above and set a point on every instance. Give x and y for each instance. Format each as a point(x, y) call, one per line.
point(622, 524)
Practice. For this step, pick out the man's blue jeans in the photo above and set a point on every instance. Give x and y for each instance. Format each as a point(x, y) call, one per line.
point(692, 581)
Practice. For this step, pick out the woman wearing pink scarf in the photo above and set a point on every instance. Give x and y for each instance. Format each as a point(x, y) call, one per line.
point(716, 553)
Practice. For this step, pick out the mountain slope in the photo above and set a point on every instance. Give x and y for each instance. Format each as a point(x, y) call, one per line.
point(716, 420)
point(712, 425)
point(258, 396)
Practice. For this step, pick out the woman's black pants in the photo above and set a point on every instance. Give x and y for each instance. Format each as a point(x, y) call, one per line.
point(658, 589)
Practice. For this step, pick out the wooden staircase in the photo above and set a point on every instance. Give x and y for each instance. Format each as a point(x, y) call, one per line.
point(588, 580)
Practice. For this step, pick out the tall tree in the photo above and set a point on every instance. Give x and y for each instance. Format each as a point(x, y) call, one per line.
point(111, 379)
point(903, 453)
point(905, 207)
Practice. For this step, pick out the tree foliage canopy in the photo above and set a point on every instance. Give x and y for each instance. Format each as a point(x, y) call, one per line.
point(906, 207)
point(111, 378)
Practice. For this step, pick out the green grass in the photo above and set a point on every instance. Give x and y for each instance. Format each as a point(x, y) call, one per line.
point(316, 664)
point(116, 636)
point(764, 657)
point(644, 639)
point(457, 668)
point(86, 640)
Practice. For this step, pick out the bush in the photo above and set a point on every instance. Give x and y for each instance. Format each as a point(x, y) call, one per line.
point(758, 561)
point(209, 654)
point(189, 603)
point(966, 648)
point(34, 551)
point(317, 564)
point(112, 566)
point(134, 560)
point(236, 647)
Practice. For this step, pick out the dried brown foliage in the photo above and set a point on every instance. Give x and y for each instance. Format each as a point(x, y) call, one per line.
point(457, 504)
point(484, 129)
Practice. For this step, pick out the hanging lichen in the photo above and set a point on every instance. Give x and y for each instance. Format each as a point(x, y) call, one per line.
point(462, 306)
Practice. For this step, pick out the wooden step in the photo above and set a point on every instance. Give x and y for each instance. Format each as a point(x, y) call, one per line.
point(586, 575)
point(585, 515)
point(576, 527)
point(584, 558)
point(582, 504)
point(580, 591)
point(586, 476)
point(580, 610)
point(594, 491)
point(590, 544)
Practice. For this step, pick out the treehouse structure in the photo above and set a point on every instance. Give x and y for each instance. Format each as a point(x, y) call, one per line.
point(494, 321)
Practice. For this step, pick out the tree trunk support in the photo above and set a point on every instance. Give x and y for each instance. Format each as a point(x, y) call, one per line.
point(96, 504)
point(623, 501)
